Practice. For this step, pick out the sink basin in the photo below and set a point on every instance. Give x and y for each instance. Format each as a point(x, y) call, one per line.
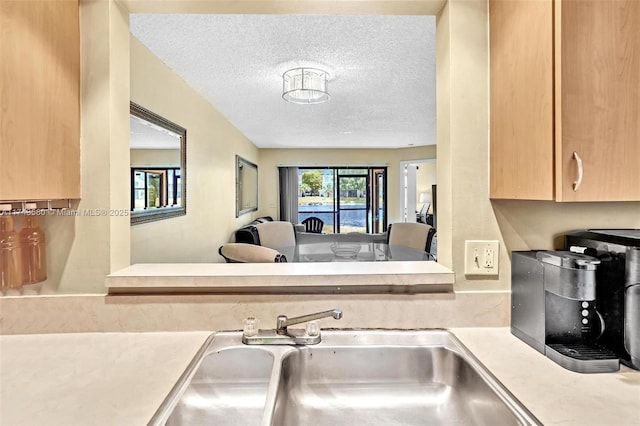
point(226, 385)
point(351, 377)
point(385, 385)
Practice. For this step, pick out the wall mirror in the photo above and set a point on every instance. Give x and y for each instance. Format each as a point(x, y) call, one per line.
point(158, 151)
point(246, 186)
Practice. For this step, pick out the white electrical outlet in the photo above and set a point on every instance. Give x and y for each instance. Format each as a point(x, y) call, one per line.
point(481, 257)
point(488, 257)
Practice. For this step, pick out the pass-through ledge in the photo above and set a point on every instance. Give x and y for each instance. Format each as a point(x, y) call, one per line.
point(408, 277)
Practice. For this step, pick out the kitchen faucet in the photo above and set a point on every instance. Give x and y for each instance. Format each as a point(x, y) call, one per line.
point(282, 335)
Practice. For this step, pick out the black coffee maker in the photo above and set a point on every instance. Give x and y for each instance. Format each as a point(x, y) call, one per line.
point(554, 309)
point(618, 286)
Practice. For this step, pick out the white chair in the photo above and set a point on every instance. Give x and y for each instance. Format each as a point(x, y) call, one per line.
point(249, 253)
point(276, 234)
point(409, 234)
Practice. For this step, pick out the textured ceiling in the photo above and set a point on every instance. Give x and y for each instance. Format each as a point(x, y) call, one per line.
point(382, 72)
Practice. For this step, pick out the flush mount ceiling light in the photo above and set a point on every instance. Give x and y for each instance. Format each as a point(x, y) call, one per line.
point(305, 86)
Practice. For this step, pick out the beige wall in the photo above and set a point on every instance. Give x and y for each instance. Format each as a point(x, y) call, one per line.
point(462, 28)
point(212, 143)
point(270, 159)
point(526, 225)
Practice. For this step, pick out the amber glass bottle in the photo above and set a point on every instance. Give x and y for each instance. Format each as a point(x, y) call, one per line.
point(10, 255)
point(34, 251)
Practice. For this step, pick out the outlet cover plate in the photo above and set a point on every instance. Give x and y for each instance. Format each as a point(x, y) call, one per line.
point(481, 257)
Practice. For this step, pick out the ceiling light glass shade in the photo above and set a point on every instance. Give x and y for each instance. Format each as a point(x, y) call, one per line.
point(305, 86)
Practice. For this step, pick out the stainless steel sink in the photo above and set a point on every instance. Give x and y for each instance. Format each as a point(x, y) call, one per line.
point(351, 377)
point(228, 384)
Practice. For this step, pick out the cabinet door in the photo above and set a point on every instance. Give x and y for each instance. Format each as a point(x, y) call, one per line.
point(39, 99)
point(598, 99)
point(521, 79)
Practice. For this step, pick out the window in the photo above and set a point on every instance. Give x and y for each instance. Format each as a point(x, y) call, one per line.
point(345, 199)
point(155, 188)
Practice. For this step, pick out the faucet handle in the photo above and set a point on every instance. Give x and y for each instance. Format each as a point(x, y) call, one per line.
point(313, 328)
point(250, 326)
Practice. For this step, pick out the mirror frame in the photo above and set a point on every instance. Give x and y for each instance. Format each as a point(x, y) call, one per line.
point(241, 162)
point(172, 211)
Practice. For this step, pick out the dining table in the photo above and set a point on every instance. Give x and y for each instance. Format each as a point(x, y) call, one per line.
point(352, 252)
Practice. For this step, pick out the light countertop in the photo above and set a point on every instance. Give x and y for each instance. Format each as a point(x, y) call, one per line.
point(121, 378)
point(265, 278)
point(90, 378)
point(555, 395)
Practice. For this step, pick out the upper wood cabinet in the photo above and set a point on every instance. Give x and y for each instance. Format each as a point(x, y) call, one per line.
point(39, 100)
point(565, 100)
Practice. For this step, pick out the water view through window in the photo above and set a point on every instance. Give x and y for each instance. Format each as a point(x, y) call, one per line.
point(345, 199)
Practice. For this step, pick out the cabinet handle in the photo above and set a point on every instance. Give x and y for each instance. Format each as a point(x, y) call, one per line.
point(577, 182)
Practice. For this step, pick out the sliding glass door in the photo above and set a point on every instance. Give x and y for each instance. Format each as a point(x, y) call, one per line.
point(352, 206)
point(345, 199)
point(315, 196)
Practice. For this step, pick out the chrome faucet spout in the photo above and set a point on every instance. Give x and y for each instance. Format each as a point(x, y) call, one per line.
point(283, 322)
point(284, 336)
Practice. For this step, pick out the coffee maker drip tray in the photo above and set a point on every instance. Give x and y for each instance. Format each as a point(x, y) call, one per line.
point(583, 358)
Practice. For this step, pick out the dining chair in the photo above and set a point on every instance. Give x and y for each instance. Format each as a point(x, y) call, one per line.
point(410, 234)
point(249, 253)
point(276, 234)
point(313, 224)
